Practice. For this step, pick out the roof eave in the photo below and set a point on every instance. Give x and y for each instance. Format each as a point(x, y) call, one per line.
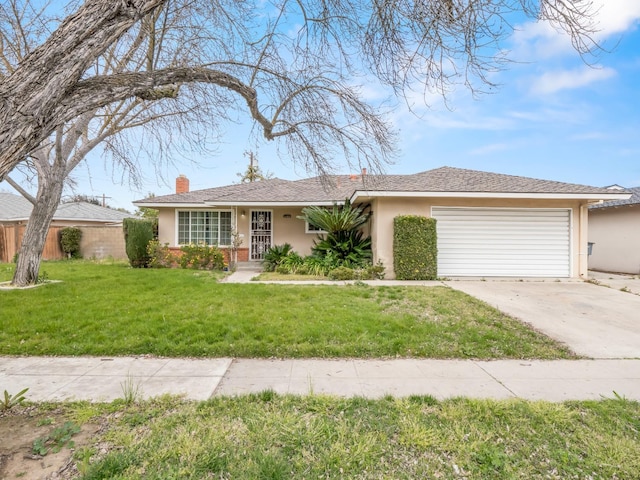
point(321, 203)
point(168, 204)
point(92, 220)
point(514, 195)
point(226, 203)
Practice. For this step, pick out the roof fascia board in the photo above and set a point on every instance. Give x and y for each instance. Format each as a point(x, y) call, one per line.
point(80, 219)
point(213, 203)
point(169, 204)
point(322, 203)
point(542, 196)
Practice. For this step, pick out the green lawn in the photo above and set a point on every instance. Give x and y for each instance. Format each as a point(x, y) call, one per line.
point(267, 436)
point(111, 309)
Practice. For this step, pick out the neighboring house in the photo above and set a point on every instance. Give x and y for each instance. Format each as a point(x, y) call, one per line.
point(101, 227)
point(488, 224)
point(614, 231)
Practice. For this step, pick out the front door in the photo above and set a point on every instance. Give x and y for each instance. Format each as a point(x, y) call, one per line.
point(261, 233)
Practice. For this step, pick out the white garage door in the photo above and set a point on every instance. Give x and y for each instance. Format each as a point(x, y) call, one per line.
point(503, 242)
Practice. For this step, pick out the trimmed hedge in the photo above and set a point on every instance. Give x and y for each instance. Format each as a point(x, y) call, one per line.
point(70, 241)
point(415, 248)
point(137, 234)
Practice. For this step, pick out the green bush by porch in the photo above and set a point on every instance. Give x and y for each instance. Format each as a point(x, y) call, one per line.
point(137, 235)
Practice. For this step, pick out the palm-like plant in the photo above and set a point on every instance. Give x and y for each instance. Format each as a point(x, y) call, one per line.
point(275, 255)
point(343, 218)
point(343, 242)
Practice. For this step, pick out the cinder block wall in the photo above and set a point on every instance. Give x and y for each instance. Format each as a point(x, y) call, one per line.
point(103, 242)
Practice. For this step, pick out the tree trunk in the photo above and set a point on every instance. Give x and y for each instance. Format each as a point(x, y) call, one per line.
point(35, 235)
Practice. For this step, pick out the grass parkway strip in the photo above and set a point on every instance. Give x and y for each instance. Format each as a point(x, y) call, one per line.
point(267, 436)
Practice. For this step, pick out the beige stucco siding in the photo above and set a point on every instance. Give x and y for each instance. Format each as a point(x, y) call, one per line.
point(167, 226)
point(615, 233)
point(387, 208)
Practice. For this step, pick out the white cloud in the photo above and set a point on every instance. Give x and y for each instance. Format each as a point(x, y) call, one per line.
point(536, 41)
point(540, 40)
point(552, 82)
point(616, 16)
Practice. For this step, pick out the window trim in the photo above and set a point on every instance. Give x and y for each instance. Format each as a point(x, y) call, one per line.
point(191, 210)
point(307, 229)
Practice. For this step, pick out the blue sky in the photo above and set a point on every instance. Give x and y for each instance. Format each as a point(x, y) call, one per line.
point(552, 117)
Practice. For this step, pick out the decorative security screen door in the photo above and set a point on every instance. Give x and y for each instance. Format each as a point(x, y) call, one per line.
point(260, 233)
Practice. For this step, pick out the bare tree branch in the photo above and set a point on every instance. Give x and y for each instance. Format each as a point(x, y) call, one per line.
point(55, 67)
point(20, 190)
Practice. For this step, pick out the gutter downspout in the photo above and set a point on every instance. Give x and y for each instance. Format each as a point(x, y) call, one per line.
point(233, 238)
point(583, 235)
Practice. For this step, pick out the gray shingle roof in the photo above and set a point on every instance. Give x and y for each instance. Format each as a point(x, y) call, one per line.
point(15, 208)
point(84, 211)
point(339, 187)
point(634, 200)
point(449, 179)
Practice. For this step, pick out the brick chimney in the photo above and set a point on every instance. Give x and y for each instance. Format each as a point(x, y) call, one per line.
point(182, 184)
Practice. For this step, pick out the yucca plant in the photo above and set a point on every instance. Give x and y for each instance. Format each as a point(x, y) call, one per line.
point(349, 249)
point(341, 218)
point(344, 243)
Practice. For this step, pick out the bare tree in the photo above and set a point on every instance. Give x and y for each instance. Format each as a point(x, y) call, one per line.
point(291, 65)
point(430, 42)
point(60, 154)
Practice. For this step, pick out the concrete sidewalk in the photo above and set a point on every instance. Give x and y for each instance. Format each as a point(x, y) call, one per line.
point(106, 379)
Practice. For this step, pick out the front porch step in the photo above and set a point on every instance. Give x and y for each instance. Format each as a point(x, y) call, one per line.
point(252, 266)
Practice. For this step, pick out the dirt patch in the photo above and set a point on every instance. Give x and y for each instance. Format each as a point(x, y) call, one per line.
point(20, 427)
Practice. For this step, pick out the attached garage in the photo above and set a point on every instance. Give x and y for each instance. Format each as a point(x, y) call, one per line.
point(503, 242)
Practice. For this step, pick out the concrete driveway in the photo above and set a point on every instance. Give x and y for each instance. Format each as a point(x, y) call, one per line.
point(628, 283)
point(593, 320)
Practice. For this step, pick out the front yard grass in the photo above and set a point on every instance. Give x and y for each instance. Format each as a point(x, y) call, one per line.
point(111, 309)
point(287, 437)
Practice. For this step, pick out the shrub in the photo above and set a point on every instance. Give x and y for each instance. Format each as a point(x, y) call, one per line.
point(137, 235)
point(70, 241)
point(415, 248)
point(369, 272)
point(275, 255)
point(350, 249)
point(314, 266)
point(160, 256)
point(342, 273)
point(375, 272)
point(201, 257)
point(292, 263)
